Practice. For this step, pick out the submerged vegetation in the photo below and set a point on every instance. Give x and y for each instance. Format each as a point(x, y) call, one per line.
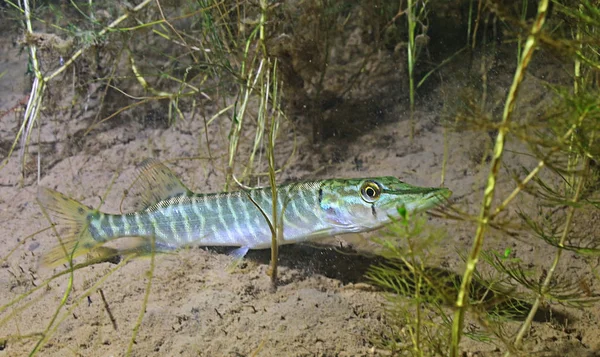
point(269, 71)
point(563, 183)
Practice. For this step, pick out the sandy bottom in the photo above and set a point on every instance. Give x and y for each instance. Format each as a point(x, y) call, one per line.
point(196, 307)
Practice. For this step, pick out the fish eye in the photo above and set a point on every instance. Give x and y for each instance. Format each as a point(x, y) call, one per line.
point(370, 191)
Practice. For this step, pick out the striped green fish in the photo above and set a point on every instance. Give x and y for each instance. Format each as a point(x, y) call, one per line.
point(174, 216)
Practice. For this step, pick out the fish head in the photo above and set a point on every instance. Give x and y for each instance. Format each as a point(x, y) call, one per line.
point(358, 205)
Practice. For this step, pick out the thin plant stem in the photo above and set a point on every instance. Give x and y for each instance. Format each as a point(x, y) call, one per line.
point(463, 294)
point(545, 285)
point(277, 228)
point(476, 26)
point(411, 48)
point(268, 86)
point(573, 159)
point(445, 157)
point(150, 275)
point(239, 114)
point(469, 22)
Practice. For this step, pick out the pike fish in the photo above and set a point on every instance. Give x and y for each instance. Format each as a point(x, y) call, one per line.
point(172, 216)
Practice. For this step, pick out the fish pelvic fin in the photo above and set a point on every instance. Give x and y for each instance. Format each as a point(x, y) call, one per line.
point(77, 239)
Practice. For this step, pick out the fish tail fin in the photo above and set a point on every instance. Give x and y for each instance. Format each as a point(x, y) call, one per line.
point(76, 217)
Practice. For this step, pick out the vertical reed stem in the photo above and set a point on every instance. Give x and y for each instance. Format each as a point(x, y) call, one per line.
point(463, 294)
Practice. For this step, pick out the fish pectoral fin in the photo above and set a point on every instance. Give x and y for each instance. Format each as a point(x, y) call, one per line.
point(337, 222)
point(237, 255)
point(154, 183)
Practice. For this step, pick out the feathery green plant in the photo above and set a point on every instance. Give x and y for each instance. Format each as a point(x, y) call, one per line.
point(563, 183)
point(213, 53)
point(406, 249)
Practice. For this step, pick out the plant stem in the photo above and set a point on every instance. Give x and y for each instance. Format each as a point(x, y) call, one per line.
point(150, 276)
point(463, 294)
point(548, 279)
point(267, 87)
point(410, 16)
point(573, 159)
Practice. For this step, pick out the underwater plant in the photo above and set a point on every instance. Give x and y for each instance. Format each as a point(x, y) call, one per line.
point(562, 184)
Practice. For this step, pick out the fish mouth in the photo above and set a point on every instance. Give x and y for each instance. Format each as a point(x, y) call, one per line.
point(438, 195)
point(430, 198)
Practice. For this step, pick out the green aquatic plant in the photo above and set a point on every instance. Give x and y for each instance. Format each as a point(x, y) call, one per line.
point(416, 16)
point(214, 52)
point(463, 294)
point(497, 287)
point(414, 324)
point(41, 80)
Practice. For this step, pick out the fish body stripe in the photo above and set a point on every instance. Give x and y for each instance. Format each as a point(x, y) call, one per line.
point(126, 225)
point(106, 226)
point(200, 221)
point(141, 224)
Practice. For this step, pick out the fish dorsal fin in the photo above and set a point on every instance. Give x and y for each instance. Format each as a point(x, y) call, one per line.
point(155, 182)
